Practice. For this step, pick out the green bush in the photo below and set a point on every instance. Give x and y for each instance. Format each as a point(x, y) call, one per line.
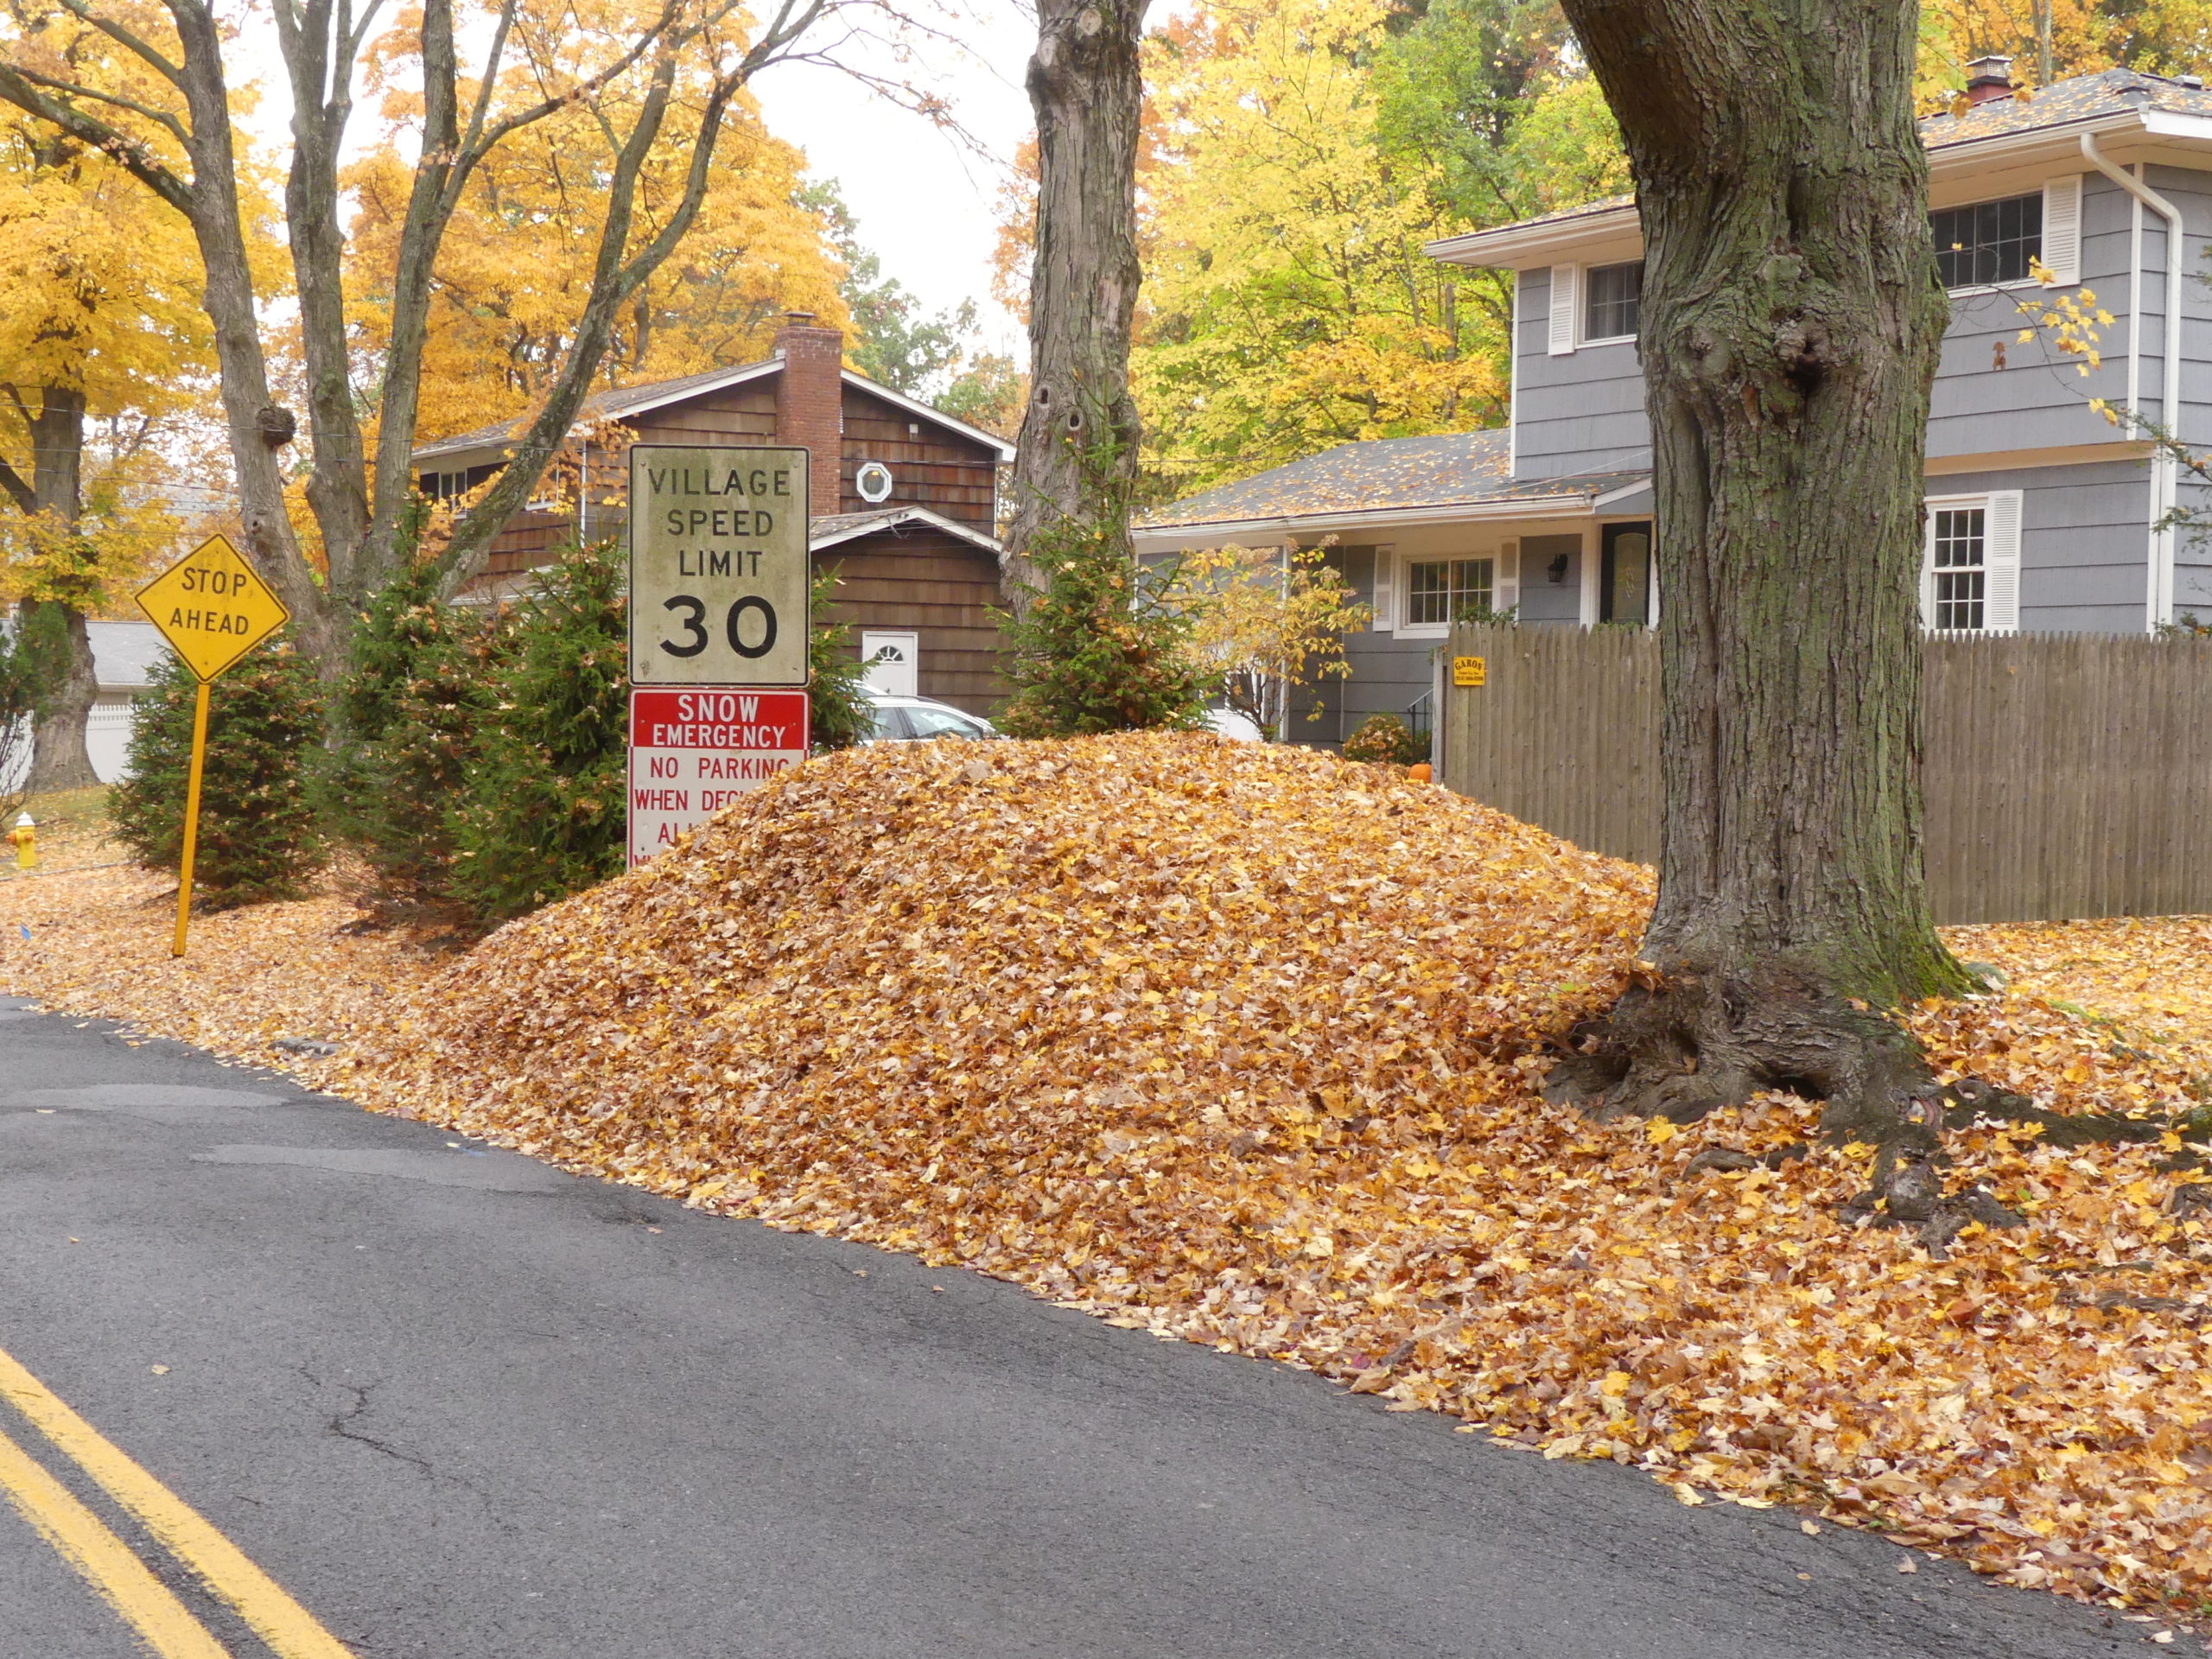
point(1099, 648)
point(541, 811)
point(415, 702)
point(259, 836)
point(1385, 738)
point(837, 704)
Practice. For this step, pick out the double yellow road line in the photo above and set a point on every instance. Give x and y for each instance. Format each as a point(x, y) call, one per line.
point(107, 1564)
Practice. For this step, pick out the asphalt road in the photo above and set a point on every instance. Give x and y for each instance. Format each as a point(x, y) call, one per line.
point(459, 1405)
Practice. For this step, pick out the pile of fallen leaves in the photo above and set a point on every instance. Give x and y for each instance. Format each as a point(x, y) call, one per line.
point(1240, 1044)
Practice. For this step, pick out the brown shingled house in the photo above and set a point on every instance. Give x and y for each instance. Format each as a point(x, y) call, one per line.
point(905, 498)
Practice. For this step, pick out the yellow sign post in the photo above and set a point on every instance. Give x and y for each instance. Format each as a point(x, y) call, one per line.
point(212, 608)
point(1470, 670)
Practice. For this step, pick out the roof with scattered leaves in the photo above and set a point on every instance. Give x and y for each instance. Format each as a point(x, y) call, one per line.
point(2083, 98)
point(1452, 469)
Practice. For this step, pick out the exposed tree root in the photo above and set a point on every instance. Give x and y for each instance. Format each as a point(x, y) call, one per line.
point(1692, 1044)
point(1681, 1047)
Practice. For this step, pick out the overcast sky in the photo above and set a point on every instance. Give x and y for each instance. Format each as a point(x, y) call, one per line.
point(923, 200)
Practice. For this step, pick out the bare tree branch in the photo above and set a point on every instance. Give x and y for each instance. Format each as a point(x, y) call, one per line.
point(128, 153)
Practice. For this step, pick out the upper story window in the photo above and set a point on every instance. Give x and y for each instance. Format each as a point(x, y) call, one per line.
point(1614, 294)
point(1988, 242)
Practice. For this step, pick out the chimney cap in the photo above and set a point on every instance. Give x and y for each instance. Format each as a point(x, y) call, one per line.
point(798, 319)
point(1989, 77)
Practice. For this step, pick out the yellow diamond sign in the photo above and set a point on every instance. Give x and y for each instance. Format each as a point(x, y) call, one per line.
point(212, 608)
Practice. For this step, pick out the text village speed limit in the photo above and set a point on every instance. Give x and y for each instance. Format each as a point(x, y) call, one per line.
point(718, 566)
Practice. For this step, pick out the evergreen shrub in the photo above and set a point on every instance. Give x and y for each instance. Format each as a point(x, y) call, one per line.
point(1385, 738)
point(1100, 648)
point(415, 699)
point(541, 811)
point(260, 837)
point(838, 709)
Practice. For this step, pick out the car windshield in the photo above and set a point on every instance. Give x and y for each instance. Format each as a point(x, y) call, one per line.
point(890, 721)
point(943, 722)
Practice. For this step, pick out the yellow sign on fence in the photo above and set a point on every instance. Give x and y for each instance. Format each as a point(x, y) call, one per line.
point(212, 608)
point(1470, 670)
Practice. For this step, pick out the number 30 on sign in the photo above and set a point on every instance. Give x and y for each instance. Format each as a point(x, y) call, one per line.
point(718, 566)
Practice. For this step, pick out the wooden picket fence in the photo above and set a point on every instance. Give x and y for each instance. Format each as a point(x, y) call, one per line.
point(2067, 775)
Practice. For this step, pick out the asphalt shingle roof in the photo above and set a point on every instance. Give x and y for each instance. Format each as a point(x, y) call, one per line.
point(2083, 98)
point(1452, 469)
point(607, 405)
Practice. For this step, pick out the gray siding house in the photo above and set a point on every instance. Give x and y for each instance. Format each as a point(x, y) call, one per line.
point(2042, 516)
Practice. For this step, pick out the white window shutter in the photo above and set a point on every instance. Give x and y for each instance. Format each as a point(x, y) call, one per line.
point(1566, 304)
point(1386, 569)
point(1505, 592)
point(2062, 228)
point(2000, 555)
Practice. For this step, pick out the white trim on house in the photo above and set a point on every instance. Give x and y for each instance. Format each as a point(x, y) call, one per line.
point(1384, 602)
point(891, 518)
point(2007, 461)
point(1401, 581)
point(2002, 512)
point(1566, 309)
point(1176, 538)
point(914, 406)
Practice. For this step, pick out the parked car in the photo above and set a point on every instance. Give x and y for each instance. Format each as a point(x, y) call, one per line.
point(913, 720)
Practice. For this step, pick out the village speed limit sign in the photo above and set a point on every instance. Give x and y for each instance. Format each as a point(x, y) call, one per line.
point(718, 566)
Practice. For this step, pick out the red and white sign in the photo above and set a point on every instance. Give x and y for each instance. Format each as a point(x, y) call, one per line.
point(694, 750)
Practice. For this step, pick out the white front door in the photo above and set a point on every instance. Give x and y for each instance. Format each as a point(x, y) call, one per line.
point(893, 662)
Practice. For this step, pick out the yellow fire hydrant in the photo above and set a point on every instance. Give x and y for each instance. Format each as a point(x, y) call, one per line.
point(25, 836)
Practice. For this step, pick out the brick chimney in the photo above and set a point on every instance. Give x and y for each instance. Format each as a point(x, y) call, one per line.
point(810, 402)
point(1988, 77)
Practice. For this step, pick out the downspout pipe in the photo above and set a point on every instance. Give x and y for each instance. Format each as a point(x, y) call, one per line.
point(2160, 600)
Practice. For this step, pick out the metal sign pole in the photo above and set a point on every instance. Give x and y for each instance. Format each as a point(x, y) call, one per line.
point(212, 608)
point(191, 817)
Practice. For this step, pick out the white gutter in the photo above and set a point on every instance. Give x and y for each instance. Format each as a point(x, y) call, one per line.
point(1153, 539)
point(2158, 600)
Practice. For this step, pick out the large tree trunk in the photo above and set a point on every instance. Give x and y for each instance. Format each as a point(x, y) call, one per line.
point(1791, 319)
point(58, 758)
point(1078, 450)
point(210, 202)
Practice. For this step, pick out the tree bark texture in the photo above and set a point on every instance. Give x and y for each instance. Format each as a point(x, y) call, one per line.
point(1791, 322)
point(58, 757)
point(1077, 448)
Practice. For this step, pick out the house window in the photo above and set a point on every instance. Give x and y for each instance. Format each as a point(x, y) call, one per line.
point(1989, 242)
point(1959, 556)
point(1438, 590)
point(1615, 295)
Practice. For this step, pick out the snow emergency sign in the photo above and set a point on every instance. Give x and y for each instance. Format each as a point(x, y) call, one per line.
point(694, 749)
point(212, 608)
